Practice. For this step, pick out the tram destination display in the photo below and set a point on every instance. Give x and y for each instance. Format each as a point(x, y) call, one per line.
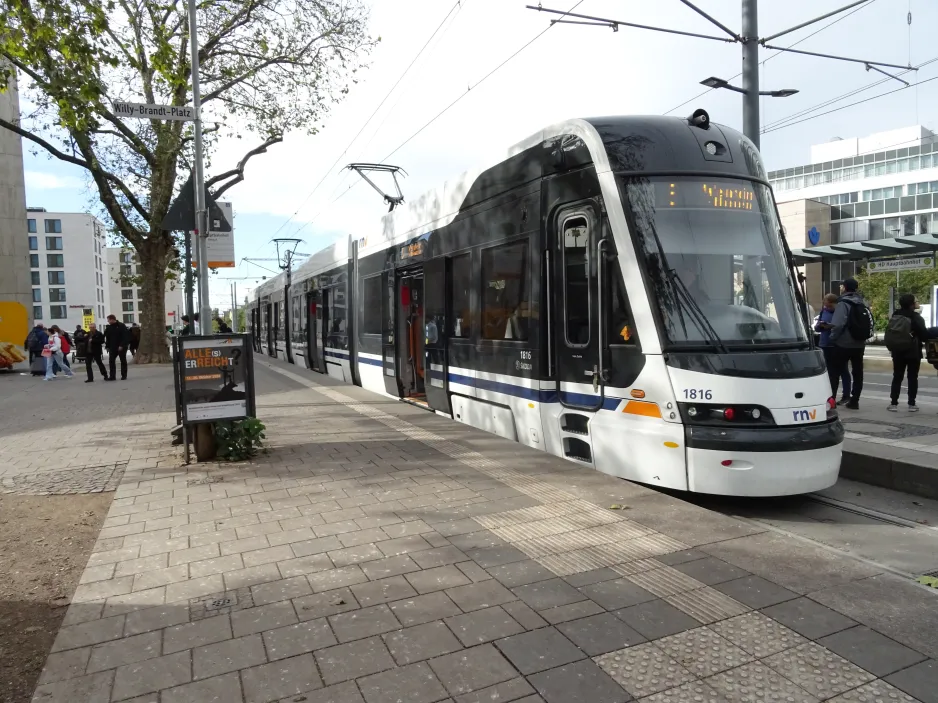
point(725, 195)
point(215, 382)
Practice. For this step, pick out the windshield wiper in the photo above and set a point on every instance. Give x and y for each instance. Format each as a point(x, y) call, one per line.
point(697, 315)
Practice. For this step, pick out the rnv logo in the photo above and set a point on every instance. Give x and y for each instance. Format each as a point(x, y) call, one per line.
point(803, 415)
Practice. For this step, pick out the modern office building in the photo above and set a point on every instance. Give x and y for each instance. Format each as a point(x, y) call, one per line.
point(126, 297)
point(67, 265)
point(854, 190)
point(14, 256)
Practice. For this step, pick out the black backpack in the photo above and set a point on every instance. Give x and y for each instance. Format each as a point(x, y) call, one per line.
point(898, 337)
point(859, 321)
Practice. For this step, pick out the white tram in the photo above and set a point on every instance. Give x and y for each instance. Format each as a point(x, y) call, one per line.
point(616, 291)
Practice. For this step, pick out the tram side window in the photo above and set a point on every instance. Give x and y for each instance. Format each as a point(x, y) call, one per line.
point(462, 279)
point(338, 334)
point(505, 313)
point(576, 280)
point(296, 319)
point(371, 300)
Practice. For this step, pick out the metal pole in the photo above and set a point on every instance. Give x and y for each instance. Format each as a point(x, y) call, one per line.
point(235, 327)
point(201, 221)
point(750, 37)
point(190, 307)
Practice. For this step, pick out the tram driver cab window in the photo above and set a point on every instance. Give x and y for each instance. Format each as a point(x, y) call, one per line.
point(620, 324)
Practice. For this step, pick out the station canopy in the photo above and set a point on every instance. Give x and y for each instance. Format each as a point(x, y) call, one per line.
point(868, 249)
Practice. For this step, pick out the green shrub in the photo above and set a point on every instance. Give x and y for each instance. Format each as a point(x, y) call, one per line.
point(240, 439)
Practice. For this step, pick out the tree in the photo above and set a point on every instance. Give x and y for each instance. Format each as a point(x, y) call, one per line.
point(267, 67)
point(875, 288)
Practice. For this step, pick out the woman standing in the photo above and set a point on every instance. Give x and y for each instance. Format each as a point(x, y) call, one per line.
point(55, 347)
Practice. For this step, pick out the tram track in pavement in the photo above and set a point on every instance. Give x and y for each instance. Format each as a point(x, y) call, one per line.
point(893, 531)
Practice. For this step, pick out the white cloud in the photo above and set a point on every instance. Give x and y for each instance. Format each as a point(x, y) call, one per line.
point(39, 180)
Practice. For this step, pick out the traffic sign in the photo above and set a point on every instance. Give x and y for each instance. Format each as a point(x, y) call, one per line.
point(181, 215)
point(144, 111)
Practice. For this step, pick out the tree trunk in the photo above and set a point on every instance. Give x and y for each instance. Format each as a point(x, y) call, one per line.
point(152, 255)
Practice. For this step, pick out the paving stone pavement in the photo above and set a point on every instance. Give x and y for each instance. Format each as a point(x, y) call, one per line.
point(381, 554)
point(67, 436)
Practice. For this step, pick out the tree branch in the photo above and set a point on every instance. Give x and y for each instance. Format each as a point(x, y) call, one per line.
point(62, 156)
point(237, 173)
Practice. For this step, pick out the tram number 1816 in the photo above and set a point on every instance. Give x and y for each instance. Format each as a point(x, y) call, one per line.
point(698, 394)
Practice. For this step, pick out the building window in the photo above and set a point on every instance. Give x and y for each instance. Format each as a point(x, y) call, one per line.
point(462, 281)
point(127, 258)
point(127, 307)
point(505, 292)
point(128, 319)
point(37, 312)
point(34, 243)
point(37, 295)
point(31, 225)
point(53, 243)
point(53, 227)
point(58, 312)
point(56, 278)
point(34, 261)
point(35, 277)
point(57, 295)
point(127, 294)
point(126, 271)
point(55, 261)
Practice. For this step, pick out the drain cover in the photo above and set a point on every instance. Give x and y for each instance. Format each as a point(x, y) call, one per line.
point(220, 603)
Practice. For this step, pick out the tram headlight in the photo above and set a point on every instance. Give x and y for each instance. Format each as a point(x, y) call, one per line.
point(692, 412)
point(756, 413)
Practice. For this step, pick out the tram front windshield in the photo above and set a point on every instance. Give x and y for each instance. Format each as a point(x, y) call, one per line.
point(714, 259)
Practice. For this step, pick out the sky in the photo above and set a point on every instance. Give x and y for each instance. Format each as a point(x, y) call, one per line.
point(569, 71)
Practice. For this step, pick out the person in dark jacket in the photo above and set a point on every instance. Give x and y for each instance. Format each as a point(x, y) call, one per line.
point(94, 347)
point(80, 337)
point(186, 327)
point(116, 340)
point(846, 348)
point(910, 361)
point(36, 341)
point(223, 327)
point(134, 339)
point(824, 326)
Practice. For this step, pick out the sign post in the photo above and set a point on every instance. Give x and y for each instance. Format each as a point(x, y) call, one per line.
point(214, 381)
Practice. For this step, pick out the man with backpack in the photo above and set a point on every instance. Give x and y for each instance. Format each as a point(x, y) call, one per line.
point(905, 334)
point(851, 326)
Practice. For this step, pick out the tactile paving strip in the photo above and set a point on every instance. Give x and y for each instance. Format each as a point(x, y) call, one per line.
point(755, 683)
point(703, 651)
point(569, 563)
point(874, 692)
point(757, 634)
point(693, 692)
point(818, 670)
point(707, 605)
point(643, 670)
point(666, 582)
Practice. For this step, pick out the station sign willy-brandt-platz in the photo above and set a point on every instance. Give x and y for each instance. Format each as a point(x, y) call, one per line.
point(155, 112)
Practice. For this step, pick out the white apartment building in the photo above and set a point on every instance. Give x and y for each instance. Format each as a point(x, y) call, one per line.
point(67, 267)
point(126, 298)
point(858, 189)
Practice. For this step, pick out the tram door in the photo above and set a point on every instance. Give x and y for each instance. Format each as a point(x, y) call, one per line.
point(410, 333)
point(313, 334)
point(575, 326)
point(438, 289)
point(268, 318)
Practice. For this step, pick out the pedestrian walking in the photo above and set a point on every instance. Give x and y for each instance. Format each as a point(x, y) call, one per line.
point(80, 337)
point(116, 341)
point(824, 326)
point(36, 342)
point(134, 338)
point(905, 334)
point(851, 326)
point(94, 348)
point(54, 348)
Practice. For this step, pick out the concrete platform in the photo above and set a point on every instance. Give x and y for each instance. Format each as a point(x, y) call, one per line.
point(382, 554)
